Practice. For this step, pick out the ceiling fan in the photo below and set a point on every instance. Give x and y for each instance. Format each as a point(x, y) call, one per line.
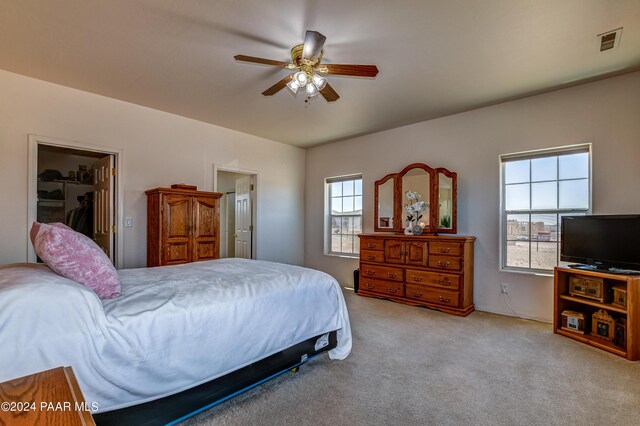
point(306, 59)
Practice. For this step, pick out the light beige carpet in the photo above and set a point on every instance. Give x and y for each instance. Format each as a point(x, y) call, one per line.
point(415, 366)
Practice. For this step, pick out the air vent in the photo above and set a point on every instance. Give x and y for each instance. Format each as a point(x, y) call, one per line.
point(609, 40)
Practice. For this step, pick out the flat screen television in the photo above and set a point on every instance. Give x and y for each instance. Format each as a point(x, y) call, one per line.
point(606, 242)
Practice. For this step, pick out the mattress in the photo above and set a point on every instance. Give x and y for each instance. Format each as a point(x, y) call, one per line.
point(173, 327)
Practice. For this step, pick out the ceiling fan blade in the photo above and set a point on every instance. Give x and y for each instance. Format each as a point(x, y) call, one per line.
point(353, 70)
point(313, 44)
point(329, 94)
point(264, 61)
point(278, 86)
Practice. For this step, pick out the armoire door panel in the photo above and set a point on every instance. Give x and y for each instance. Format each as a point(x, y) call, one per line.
point(205, 217)
point(177, 216)
point(205, 250)
point(176, 252)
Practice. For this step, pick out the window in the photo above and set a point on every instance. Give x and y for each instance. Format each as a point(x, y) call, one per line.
point(538, 188)
point(345, 215)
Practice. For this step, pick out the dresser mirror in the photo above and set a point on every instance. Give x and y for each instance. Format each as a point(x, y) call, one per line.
point(385, 214)
point(416, 180)
point(447, 214)
point(437, 188)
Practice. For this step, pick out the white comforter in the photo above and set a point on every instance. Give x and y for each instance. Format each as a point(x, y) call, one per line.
point(173, 327)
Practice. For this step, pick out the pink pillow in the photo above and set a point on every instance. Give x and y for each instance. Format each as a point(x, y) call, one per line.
point(35, 227)
point(75, 256)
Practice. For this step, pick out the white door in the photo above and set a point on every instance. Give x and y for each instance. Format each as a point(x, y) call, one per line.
point(243, 225)
point(103, 208)
point(230, 225)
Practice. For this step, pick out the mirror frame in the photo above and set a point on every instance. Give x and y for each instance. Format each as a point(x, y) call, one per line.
point(377, 184)
point(434, 200)
point(400, 203)
point(454, 203)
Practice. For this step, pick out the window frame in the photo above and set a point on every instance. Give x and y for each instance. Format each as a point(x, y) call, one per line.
point(503, 213)
point(328, 216)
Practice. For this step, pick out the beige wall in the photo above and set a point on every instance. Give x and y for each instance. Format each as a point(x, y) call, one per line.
point(605, 113)
point(159, 149)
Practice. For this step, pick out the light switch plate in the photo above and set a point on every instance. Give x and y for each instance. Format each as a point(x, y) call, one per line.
point(128, 222)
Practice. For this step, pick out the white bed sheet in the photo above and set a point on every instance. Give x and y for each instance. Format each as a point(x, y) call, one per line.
point(173, 327)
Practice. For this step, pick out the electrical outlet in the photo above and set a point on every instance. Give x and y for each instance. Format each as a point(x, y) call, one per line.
point(503, 289)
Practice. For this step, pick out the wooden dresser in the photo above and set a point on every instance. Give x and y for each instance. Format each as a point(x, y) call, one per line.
point(427, 270)
point(183, 225)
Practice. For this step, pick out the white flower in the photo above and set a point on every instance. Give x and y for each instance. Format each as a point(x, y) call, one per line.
point(412, 195)
point(415, 208)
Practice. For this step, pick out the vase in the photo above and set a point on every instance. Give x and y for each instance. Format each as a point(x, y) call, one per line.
point(408, 230)
point(417, 230)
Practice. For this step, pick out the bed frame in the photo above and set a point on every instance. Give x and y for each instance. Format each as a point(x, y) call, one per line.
point(173, 409)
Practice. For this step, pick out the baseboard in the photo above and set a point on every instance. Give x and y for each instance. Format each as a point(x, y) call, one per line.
point(510, 314)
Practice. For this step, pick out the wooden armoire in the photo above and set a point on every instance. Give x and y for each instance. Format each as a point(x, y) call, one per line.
point(183, 225)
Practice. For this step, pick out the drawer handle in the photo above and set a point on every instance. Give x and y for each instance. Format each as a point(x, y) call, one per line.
point(445, 264)
point(444, 249)
point(392, 290)
point(443, 299)
point(370, 286)
point(417, 278)
point(370, 272)
point(445, 281)
point(369, 245)
point(371, 257)
point(416, 294)
point(390, 275)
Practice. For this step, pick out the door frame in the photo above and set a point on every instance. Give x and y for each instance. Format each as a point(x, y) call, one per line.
point(254, 199)
point(32, 187)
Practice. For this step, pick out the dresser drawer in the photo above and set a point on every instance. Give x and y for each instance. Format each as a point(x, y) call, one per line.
point(391, 288)
point(449, 281)
point(372, 255)
point(381, 272)
point(437, 247)
point(368, 243)
point(432, 295)
point(452, 263)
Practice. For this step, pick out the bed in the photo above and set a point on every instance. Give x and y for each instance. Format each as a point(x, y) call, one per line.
point(174, 331)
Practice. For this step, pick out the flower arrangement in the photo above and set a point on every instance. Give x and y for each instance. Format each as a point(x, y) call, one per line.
point(415, 207)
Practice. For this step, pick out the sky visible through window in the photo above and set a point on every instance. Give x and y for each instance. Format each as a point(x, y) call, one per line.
point(548, 183)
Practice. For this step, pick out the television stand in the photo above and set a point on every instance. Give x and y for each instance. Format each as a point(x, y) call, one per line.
point(624, 313)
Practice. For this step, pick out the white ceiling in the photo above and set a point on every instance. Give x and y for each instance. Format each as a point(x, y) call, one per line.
point(435, 57)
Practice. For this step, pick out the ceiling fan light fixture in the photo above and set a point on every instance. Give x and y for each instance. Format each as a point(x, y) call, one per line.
point(307, 71)
point(301, 78)
point(319, 81)
point(293, 86)
point(312, 90)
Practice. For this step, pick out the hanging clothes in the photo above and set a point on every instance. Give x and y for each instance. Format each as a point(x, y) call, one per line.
point(80, 219)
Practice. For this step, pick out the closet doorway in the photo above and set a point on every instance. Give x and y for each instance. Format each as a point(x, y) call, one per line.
point(237, 213)
point(77, 186)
